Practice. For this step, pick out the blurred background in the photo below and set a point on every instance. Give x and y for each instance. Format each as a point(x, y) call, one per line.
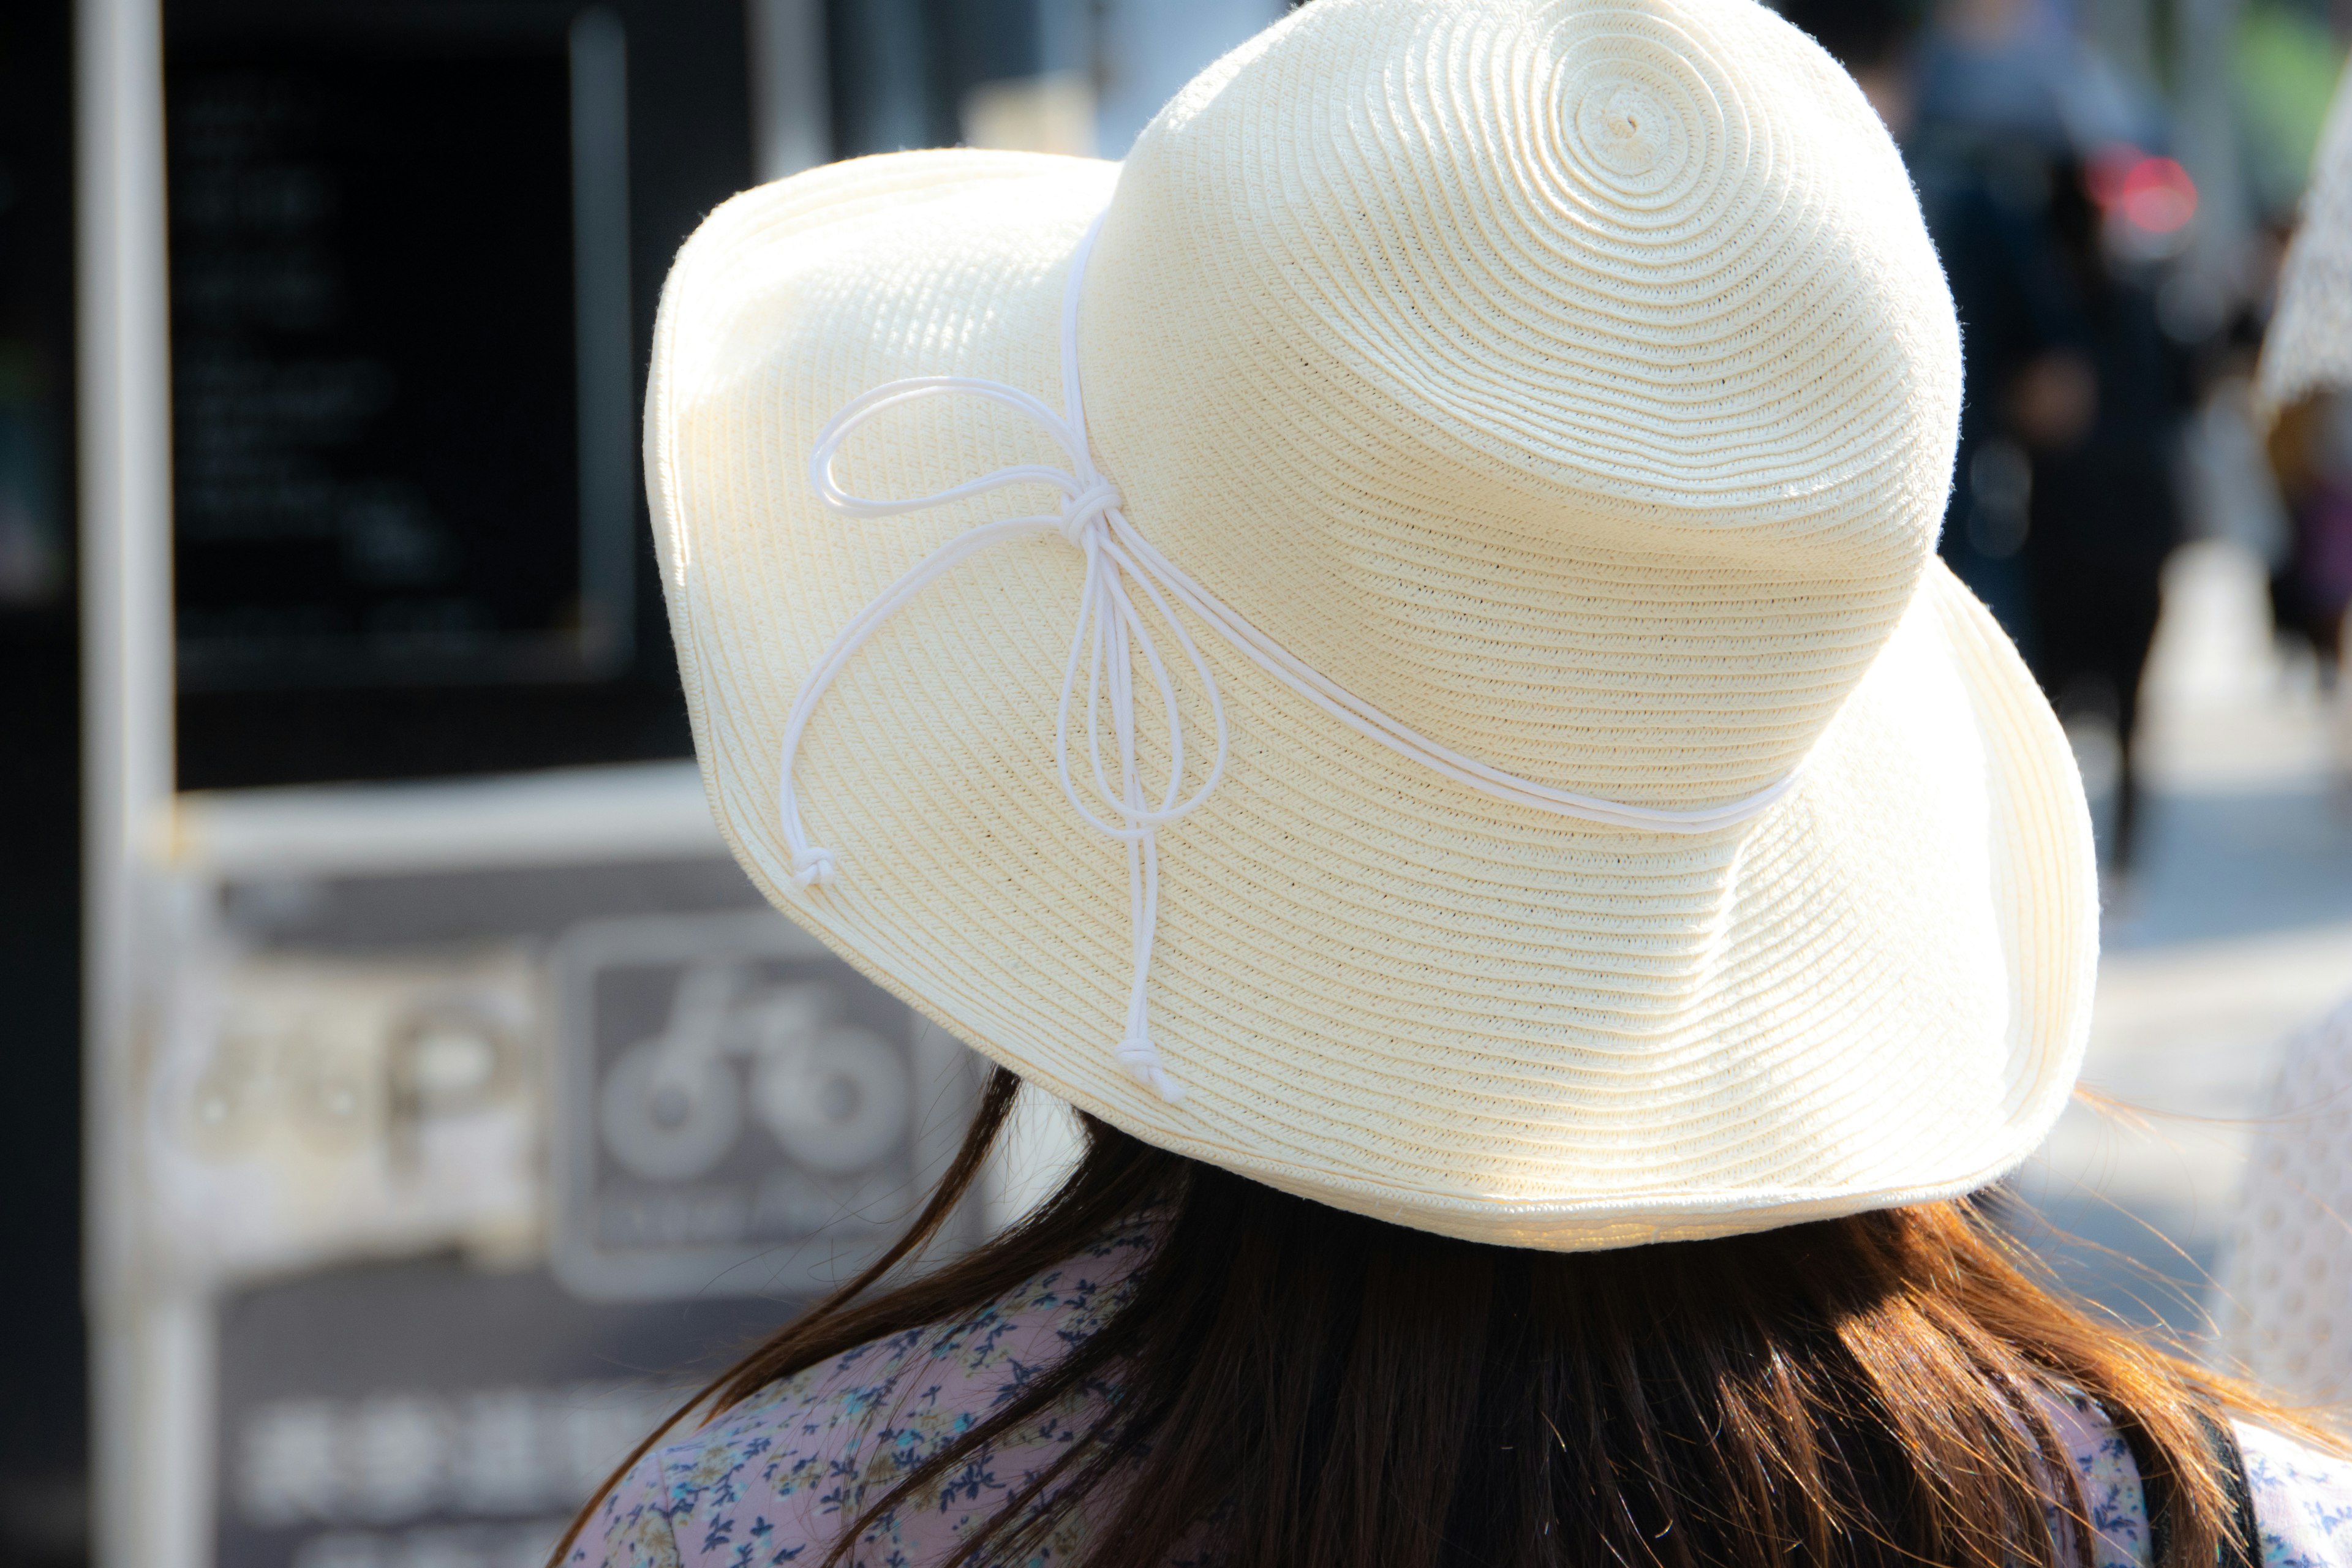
point(405, 1097)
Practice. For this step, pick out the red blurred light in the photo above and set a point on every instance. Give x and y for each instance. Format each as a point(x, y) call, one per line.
point(2150, 192)
point(2159, 195)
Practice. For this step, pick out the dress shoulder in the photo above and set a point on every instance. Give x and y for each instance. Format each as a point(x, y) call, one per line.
point(2302, 1495)
point(630, 1527)
point(785, 1472)
point(2303, 1500)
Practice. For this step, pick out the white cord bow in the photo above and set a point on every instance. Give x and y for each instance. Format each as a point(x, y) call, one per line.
point(1121, 565)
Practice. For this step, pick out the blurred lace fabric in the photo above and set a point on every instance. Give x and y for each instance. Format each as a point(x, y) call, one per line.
point(2285, 1313)
point(2308, 348)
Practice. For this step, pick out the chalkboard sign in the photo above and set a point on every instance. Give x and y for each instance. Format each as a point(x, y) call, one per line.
point(401, 355)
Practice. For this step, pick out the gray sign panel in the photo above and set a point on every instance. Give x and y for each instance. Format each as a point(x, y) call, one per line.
point(431, 1414)
point(736, 1110)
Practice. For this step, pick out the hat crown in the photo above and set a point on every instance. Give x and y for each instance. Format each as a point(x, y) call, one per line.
point(1450, 344)
point(1559, 287)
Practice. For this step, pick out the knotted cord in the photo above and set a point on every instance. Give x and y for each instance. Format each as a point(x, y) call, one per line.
point(1112, 631)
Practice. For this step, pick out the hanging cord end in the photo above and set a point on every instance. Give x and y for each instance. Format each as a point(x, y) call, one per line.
point(812, 867)
point(1140, 1058)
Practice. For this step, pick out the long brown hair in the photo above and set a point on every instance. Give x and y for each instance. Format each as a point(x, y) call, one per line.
point(1304, 1388)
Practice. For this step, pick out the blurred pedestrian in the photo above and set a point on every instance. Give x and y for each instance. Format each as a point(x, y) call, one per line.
point(1600, 896)
point(1985, 197)
point(1979, 157)
point(2100, 414)
point(2065, 502)
point(1991, 81)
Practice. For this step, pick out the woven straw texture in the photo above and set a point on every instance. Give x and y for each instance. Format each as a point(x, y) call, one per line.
point(1575, 383)
point(2308, 347)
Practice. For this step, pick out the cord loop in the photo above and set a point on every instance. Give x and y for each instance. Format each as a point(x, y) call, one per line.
point(1128, 588)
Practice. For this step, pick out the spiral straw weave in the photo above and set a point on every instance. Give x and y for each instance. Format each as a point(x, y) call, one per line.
point(1573, 383)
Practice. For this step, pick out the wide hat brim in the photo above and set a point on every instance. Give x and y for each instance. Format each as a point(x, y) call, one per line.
point(1378, 989)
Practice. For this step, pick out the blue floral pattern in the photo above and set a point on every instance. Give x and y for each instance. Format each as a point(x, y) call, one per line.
point(2302, 1501)
point(2302, 1497)
point(775, 1480)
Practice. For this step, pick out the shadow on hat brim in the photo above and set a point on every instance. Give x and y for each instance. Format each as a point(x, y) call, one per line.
point(1378, 989)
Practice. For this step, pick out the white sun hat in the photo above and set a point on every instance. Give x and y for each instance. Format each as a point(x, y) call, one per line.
point(1507, 438)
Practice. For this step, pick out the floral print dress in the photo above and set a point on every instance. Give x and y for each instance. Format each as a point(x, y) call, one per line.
point(773, 1481)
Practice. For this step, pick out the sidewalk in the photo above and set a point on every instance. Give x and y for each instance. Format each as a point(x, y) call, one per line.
point(2236, 929)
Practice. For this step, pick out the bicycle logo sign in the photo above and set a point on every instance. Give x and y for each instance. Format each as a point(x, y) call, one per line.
point(738, 1111)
